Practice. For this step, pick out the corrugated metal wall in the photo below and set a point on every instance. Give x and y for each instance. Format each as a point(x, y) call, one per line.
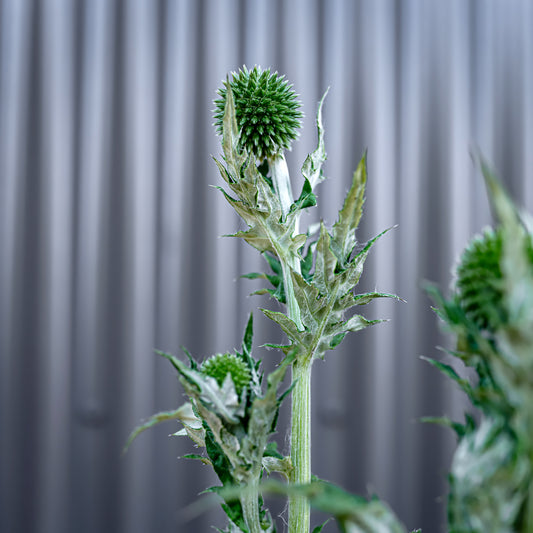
point(109, 233)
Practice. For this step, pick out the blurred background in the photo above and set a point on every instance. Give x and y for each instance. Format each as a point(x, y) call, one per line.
point(109, 235)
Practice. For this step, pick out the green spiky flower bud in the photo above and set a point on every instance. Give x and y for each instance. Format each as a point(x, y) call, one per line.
point(480, 281)
point(220, 365)
point(266, 109)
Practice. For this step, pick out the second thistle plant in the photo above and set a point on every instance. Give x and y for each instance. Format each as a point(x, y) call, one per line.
point(491, 313)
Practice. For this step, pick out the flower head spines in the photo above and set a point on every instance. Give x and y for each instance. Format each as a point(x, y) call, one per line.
point(479, 281)
point(220, 365)
point(266, 109)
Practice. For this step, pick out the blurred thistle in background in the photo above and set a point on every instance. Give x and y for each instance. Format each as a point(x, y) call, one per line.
point(108, 232)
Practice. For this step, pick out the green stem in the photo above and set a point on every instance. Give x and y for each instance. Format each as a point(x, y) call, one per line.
point(299, 510)
point(250, 508)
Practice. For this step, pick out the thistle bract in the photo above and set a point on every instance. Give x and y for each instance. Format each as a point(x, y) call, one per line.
point(266, 110)
point(220, 365)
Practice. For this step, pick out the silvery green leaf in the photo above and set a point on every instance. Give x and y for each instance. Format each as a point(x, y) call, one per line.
point(255, 237)
point(224, 172)
point(263, 412)
point(312, 304)
point(192, 425)
point(224, 439)
point(224, 469)
point(334, 333)
point(245, 211)
point(322, 316)
point(325, 262)
point(182, 413)
point(187, 416)
point(363, 299)
point(343, 238)
point(222, 399)
point(306, 264)
point(349, 278)
point(230, 133)
point(260, 208)
point(286, 324)
point(312, 167)
point(358, 322)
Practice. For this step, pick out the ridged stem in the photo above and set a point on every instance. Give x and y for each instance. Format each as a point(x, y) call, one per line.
point(250, 508)
point(299, 509)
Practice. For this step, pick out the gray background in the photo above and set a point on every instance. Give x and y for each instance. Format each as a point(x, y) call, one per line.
point(109, 234)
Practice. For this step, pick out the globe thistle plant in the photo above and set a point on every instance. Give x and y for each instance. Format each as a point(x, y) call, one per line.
point(232, 408)
point(491, 313)
point(313, 274)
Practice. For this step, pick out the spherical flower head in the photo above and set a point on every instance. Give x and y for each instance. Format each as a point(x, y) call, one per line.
point(479, 281)
point(266, 110)
point(220, 365)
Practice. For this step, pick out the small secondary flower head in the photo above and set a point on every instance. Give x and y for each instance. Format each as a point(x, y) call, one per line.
point(220, 365)
point(266, 109)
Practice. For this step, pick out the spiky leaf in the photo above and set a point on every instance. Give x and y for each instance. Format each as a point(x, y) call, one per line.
point(343, 238)
point(325, 262)
point(183, 413)
point(312, 167)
